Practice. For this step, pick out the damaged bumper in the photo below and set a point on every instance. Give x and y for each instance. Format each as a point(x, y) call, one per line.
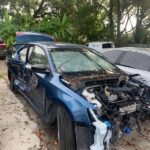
point(102, 134)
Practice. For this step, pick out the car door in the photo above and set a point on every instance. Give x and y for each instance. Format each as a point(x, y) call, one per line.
point(18, 64)
point(36, 81)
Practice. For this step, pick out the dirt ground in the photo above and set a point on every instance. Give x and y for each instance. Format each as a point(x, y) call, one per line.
point(22, 129)
point(20, 126)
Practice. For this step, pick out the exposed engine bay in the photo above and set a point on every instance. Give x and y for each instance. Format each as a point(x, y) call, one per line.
point(118, 104)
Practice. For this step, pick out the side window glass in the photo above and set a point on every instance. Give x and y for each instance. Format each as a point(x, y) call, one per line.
point(113, 55)
point(22, 54)
point(136, 60)
point(37, 56)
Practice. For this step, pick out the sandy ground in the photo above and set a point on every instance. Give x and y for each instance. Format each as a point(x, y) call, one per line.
point(22, 129)
point(20, 126)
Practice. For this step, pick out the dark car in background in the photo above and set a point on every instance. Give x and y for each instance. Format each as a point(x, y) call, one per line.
point(92, 100)
point(25, 37)
point(2, 49)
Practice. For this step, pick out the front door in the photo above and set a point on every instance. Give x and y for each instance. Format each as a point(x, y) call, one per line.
point(36, 81)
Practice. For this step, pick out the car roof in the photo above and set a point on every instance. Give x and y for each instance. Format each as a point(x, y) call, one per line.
point(100, 42)
point(131, 49)
point(20, 33)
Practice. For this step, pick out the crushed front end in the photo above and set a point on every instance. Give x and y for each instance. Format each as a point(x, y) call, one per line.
point(118, 106)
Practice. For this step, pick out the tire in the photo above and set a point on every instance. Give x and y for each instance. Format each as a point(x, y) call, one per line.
point(72, 136)
point(66, 131)
point(12, 86)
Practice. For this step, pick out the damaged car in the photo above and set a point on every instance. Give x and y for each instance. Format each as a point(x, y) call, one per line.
point(135, 62)
point(92, 100)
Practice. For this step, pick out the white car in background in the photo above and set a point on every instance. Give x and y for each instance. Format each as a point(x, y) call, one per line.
point(132, 60)
point(100, 46)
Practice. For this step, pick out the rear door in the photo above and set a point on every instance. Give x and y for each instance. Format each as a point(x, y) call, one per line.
point(18, 64)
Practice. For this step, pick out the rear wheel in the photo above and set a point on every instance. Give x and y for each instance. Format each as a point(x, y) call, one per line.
point(12, 86)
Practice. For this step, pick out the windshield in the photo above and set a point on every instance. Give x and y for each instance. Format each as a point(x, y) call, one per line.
point(74, 60)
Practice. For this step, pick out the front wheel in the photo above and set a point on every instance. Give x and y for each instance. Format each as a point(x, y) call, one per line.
point(66, 132)
point(72, 136)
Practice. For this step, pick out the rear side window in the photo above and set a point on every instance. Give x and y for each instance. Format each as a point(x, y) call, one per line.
point(113, 55)
point(136, 60)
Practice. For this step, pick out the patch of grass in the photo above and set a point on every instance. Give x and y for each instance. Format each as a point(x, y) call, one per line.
point(1, 76)
point(25, 109)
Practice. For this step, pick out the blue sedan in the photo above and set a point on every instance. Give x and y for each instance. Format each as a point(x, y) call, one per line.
point(78, 88)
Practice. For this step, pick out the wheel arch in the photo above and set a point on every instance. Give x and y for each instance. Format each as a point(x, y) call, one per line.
point(77, 112)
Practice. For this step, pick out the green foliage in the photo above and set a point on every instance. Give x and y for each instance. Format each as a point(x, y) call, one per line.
point(7, 30)
point(75, 20)
point(59, 27)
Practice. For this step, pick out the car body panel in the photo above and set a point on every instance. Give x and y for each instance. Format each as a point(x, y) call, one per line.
point(144, 76)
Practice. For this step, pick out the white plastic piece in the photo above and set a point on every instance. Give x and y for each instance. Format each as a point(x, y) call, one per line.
point(91, 98)
point(28, 66)
point(112, 97)
point(102, 134)
point(128, 109)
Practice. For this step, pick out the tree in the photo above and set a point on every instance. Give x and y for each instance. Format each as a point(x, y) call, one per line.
point(142, 20)
point(79, 21)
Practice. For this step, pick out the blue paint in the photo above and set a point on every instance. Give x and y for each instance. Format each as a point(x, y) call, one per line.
point(127, 130)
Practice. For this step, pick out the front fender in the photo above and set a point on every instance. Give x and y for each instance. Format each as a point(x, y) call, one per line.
point(76, 106)
point(78, 111)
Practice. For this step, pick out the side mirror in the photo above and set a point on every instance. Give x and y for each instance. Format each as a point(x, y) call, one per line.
point(40, 69)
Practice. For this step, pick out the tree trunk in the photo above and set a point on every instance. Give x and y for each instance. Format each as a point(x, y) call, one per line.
point(138, 37)
point(118, 40)
point(111, 21)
